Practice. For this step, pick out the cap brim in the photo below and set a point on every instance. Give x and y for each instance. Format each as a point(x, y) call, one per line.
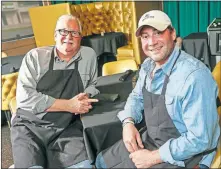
point(158, 26)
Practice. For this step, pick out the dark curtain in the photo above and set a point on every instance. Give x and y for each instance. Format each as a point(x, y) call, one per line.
point(192, 16)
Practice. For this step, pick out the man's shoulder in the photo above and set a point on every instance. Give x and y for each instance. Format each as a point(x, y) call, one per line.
point(87, 52)
point(40, 51)
point(188, 67)
point(40, 54)
point(190, 63)
point(87, 49)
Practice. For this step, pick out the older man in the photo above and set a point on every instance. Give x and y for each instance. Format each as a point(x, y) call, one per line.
point(178, 95)
point(53, 87)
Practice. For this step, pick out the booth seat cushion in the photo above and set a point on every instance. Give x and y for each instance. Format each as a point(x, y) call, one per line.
point(118, 67)
point(9, 83)
point(125, 58)
point(125, 52)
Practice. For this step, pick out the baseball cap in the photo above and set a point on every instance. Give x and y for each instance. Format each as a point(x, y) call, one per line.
point(155, 18)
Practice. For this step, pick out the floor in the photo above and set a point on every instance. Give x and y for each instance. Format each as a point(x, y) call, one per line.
point(6, 154)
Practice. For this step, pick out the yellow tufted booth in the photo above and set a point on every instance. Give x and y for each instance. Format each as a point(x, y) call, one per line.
point(9, 83)
point(119, 66)
point(217, 76)
point(95, 18)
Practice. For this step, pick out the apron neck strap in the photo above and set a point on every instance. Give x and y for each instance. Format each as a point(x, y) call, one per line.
point(51, 64)
point(166, 80)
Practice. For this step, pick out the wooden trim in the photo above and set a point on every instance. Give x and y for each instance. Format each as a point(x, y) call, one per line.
point(17, 43)
point(18, 47)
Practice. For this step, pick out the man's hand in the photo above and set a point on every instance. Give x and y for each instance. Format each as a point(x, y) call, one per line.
point(145, 158)
point(80, 104)
point(131, 138)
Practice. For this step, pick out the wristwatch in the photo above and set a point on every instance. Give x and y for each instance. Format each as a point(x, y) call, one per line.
point(127, 121)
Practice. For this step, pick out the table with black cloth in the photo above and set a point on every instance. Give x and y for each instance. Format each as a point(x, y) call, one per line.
point(196, 44)
point(105, 44)
point(102, 128)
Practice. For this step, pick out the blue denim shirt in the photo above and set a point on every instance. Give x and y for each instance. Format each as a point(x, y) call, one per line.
point(190, 101)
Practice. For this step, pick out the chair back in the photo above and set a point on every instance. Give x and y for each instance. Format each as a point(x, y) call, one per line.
point(118, 67)
point(217, 76)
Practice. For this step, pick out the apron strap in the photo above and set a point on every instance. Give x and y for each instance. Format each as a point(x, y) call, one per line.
point(145, 81)
point(76, 66)
point(166, 80)
point(51, 64)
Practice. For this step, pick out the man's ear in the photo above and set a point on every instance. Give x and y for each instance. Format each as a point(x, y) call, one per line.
point(173, 33)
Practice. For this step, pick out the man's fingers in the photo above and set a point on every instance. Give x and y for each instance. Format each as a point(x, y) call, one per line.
point(92, 100)
point(129, 147)
point(139, 141)
point(134, 145)
point(82, 96)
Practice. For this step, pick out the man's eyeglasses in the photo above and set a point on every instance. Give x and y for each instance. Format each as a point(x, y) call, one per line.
point(64, 32)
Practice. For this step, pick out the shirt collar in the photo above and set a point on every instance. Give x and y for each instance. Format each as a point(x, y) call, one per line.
point(74, 58)
point(170, 62)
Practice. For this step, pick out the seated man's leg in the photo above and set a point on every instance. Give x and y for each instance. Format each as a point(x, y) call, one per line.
point(100, 163)
point(26, 147)
point(83, 164)
point(115, 156)
point(68, 149)
point(35, 166)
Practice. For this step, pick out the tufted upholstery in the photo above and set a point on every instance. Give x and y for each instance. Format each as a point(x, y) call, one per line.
point(217, 76)
point(9, 83)
point(118, 67)
point(111, 17)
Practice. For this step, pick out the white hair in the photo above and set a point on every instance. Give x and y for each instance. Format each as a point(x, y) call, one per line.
point(68, 17)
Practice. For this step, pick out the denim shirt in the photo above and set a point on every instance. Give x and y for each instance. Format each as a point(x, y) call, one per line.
point(190, 101)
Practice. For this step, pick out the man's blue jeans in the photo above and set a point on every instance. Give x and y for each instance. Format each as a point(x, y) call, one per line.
point(83, 164)
point(101, 164)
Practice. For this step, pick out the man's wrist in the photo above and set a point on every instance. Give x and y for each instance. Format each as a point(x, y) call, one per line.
point(156, 157)
point(128, 120)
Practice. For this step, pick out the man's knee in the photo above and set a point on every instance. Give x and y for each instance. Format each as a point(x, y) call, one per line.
point(83, 164)
point(99, 163)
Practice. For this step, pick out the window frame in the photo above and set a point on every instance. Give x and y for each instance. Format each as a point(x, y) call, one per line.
point(41, 3)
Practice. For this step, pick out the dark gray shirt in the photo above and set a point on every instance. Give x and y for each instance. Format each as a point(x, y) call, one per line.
point(36, 63)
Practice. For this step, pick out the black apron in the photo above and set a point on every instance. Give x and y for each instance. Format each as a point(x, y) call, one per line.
point(158, 130)
point(53, 139)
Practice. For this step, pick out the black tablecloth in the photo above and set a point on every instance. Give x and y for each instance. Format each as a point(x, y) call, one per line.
point(196, 44)
point(105, 44)
point(101, 126)
point(11, 64)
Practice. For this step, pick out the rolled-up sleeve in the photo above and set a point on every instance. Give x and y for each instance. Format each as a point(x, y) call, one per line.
point(27, 96)
point(90, 88)
point(134, 105)
point(199, 113)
